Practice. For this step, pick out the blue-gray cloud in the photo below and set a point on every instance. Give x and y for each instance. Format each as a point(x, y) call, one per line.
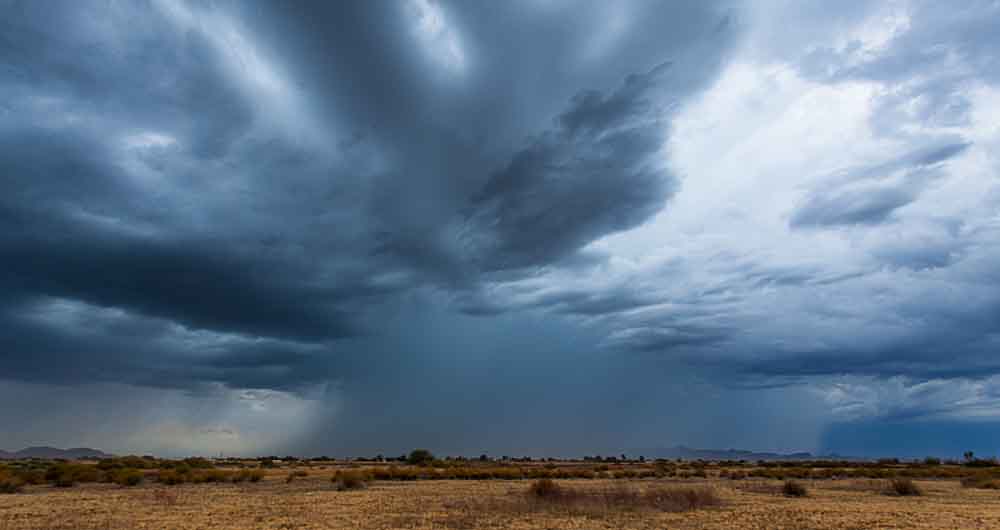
point(229, 207)
point(863, 197)
point(596, 173)
point(401, 204)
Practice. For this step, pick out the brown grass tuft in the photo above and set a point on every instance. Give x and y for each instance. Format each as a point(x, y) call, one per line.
point(545, 488)
point(792, 488)
point(11, 485)
point(903, 487)
point(985, 482)
point(351, 480)
point(545, 492)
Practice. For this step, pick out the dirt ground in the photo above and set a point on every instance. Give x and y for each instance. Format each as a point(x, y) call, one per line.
point(314, 503)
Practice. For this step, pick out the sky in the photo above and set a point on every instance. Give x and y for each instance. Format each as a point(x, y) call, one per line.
point(531, 227)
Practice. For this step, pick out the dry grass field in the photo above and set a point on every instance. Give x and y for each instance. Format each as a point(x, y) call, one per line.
point(314, 501)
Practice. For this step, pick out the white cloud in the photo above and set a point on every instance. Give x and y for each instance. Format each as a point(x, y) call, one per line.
point(437, 35)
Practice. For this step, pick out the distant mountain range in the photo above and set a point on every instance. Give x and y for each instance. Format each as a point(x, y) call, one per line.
point(690, 453)
point(76, 453)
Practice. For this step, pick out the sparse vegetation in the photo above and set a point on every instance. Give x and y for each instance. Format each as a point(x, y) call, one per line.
point(495, 493)
point(545, 488)
point(792, 488)
point(351, 480)
point(127, 477)
point(903, 487)
point(623, 497)
point(11, 485)
point(248, 475)
point(986, 482)
point(420, 457)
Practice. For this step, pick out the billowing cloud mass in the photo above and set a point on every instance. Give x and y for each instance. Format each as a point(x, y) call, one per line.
point(522, 227)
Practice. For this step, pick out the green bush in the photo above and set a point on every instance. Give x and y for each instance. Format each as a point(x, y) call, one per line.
point(420, 457)
point(127, 477)
point(170, 477)
point(65, 475)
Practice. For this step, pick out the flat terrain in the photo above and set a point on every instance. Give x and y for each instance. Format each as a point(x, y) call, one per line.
point(313, 502)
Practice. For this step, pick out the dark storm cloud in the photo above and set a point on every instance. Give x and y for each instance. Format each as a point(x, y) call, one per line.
point(60, 341)
point(234, 193)
point(594, 174)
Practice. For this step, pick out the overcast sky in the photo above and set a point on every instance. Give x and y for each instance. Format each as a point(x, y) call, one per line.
point(520, 227)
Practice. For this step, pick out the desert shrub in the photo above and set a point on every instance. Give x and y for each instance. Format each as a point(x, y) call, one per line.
point(393, 473)
point(198, 463)
point(107, 464)
point(932, 461)
point(420, 457)
point(9, 484)
point(127, 477)
point(981, 482)
point(251, 475)
point(545, 488)
point(296, 474)
point(125, 462)
point(545, 492)
point(30, 476)
point(64, 481)
point(792, 488)
point(170, 477)
point(65, 475)
point(209, 475)
point(903, 487)
point(674, 499)
point(353, 479)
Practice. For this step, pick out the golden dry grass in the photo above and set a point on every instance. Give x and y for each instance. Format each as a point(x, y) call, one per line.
point(313, 502)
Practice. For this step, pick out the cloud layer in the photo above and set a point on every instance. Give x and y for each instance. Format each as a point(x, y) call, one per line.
point(311, 203)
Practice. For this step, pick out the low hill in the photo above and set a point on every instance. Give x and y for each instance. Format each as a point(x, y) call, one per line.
point(690, 453)
point(75, 453)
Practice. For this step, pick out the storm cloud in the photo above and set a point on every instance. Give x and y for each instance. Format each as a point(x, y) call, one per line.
point(431, 222)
